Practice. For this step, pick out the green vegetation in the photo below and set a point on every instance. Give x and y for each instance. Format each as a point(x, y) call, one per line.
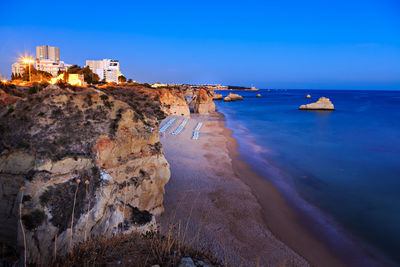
point(121, 79)
point(89, 76)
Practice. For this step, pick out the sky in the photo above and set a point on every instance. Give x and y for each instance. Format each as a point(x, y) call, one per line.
point(341, 44)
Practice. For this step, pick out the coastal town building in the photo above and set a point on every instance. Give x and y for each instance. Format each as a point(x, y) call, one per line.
point(53, 67)
point(73, 79)
point(48, 52)
point(157, 85)
point(106, 69)
point(18, 68)
point(47, 59)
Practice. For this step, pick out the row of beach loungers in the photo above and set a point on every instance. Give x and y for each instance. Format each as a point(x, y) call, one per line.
point(181, 127)
point(166, 126)
point(196, 131)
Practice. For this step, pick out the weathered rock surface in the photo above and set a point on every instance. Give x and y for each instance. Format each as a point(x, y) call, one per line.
point(203, 102)
point(55, 138)
point(6, 99)
point(233, 97)
point(174, 103)
point(218, 96)
point(323, 103)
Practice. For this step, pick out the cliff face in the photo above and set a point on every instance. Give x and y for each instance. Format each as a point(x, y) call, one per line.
point(173, 102)
point(82, 153)
point(203, 102)
point(6, 99)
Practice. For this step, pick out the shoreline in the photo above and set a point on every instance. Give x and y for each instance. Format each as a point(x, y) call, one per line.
point(285, 223)
point(347, 248)
point(287, 239)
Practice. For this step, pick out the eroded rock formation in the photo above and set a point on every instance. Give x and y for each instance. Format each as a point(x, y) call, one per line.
point(203, 102)
point(174, 103)
point(233, 97)
point(77, 150)
point(218, 96)
point(323, 103)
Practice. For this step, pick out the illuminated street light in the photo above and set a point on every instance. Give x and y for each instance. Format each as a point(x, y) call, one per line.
point(29, 61)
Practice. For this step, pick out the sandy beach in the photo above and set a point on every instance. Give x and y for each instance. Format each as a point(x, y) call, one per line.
point(241, 217)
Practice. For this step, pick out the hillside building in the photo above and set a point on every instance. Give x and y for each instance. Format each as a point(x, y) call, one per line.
point(107, 69)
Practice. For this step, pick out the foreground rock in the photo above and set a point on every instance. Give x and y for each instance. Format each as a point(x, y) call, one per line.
point(203, 102)
point(82, 151)
point(323, 103)
point(233, 97)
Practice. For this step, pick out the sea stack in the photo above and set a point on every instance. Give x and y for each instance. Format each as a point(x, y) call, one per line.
point(308, 96)
point(323, 103)
point(258, 95)
point(232, 97)
point(218, 96)
point(203, 102)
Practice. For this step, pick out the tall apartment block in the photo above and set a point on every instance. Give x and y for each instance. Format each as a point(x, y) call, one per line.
point(48, 52)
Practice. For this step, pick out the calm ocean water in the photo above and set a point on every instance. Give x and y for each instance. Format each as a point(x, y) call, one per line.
point(345, 163)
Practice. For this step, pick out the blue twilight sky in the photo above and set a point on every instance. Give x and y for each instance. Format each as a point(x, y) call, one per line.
point(338, 44)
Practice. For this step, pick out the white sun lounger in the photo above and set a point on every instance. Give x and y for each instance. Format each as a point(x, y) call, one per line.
point(166, 126)
point(195, 136)
point(180, 127)
point(198, 126)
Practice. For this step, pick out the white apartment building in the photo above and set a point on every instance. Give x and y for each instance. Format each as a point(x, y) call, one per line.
point(47, 59)
point(48, 52)
point(51, 66)
point(107, 69)
point(18, 68)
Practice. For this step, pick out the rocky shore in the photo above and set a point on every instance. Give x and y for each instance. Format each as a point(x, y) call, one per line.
point(78, 164)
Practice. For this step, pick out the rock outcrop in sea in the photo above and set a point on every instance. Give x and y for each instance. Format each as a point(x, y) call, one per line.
point(77, 163)
point(323, 103)
point(203, 102)
point(218, 96)
point(308, 96)
point(233, 97)
point(258, 95)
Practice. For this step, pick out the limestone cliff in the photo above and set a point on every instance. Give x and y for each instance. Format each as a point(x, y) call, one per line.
point(173, 102)
point(203, 101)
point(86, 160)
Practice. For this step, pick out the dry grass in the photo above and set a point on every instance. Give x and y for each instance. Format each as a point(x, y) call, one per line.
point(136, 250)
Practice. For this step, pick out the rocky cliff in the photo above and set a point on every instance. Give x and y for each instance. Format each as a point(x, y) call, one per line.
point(173, 102)
point(203, 101)
point(77, 163)
point(323, 103)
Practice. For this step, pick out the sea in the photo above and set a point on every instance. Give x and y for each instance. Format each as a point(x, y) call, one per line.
point(340, 169)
